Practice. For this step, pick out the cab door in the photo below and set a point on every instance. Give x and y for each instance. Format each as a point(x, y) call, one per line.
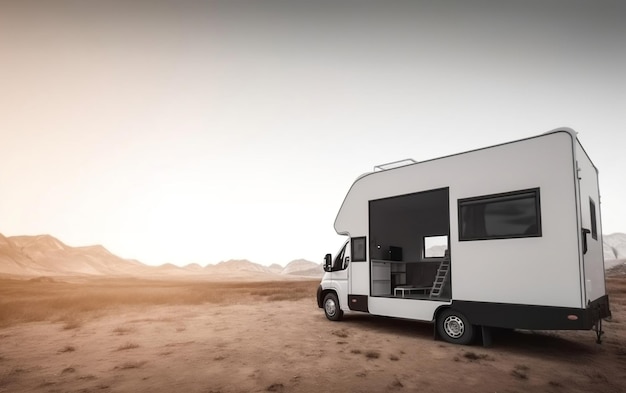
point(339, 275)
point(359, 267)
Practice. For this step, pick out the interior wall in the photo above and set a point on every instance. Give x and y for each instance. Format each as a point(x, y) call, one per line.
point(421, 274)
point(403, 221)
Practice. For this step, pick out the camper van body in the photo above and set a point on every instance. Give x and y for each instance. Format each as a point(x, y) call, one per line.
point(507, 236)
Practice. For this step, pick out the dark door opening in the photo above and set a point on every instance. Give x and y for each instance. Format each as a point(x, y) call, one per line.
point(409, 246)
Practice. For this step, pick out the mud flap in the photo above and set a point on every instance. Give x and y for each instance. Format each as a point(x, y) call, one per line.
point(486, 336)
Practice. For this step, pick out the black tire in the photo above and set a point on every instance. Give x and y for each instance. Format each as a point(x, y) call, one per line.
point(331, 307)
point(454, 327)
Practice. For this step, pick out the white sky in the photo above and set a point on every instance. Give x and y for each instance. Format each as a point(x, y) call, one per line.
point(201, 131)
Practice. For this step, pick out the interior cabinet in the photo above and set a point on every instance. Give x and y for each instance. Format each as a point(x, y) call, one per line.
point(381, 278)
point(398, 274)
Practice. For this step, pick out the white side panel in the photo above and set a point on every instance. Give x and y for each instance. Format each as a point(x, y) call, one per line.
point(594, 258)
point(340, 285)
point(540, 271)
point(359, 278)
point(423, 310)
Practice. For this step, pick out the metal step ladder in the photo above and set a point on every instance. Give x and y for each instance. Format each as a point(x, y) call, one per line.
point(440, 278)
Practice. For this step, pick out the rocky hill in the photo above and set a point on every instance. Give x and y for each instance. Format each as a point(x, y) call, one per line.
point(44, 255)
point(302, 267)
point(238, 265)
point(614, 246)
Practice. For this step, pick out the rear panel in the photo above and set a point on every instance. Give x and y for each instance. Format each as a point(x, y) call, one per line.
point(591, 228)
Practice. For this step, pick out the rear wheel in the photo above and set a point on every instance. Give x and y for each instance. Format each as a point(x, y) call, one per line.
point(331, 307)
point(454, 327)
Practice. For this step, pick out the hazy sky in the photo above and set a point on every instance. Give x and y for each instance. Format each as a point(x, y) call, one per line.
point(199, 131)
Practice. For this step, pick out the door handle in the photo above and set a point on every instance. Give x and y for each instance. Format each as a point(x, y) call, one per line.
point(585, 232)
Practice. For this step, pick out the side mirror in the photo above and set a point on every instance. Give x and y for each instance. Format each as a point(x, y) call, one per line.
point(328, 262)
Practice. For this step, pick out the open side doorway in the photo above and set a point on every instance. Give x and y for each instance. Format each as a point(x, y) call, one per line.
point(409, 246)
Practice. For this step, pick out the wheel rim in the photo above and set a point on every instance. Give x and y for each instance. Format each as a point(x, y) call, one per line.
point(330, 307)
point(454, 326)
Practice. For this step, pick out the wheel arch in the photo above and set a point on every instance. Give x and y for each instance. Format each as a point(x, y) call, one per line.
point(321, 294)
point(451, 306)
point(439, 310)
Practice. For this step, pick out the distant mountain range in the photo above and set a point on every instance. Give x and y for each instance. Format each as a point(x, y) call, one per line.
point(44, 255)
point(614, 246)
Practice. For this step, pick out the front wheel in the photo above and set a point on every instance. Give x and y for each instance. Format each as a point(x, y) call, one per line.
point(331, 307)
point(454, 327)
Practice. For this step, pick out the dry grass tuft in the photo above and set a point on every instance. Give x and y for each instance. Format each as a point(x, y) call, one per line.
point(282, 290)
point(43, 279)
point(396, 384)
point(522, 367)
point(520, 372)
point(276, 387)
point(616, 286)
point(73, 303)
point(46, 384)
point(471, 356)
point(596, 376)
point(72, 324)
point(123, 330)
point(128, 345)
point(129, 365)
point(67, 348)
point(340, 333)
point(5, 378)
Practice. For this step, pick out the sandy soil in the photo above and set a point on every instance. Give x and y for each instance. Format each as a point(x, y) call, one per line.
point(289, 346)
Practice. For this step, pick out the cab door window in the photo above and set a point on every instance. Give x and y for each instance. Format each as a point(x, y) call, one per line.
point(338, 263)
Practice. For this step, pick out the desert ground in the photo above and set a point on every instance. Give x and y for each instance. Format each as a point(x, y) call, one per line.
point(131, 335)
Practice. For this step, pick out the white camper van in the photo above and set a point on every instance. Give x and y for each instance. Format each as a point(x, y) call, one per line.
point(508, 236)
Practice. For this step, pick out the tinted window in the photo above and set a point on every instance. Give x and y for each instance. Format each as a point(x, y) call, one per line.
point(498, 216)
point(594, 226)
point(358, 249)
